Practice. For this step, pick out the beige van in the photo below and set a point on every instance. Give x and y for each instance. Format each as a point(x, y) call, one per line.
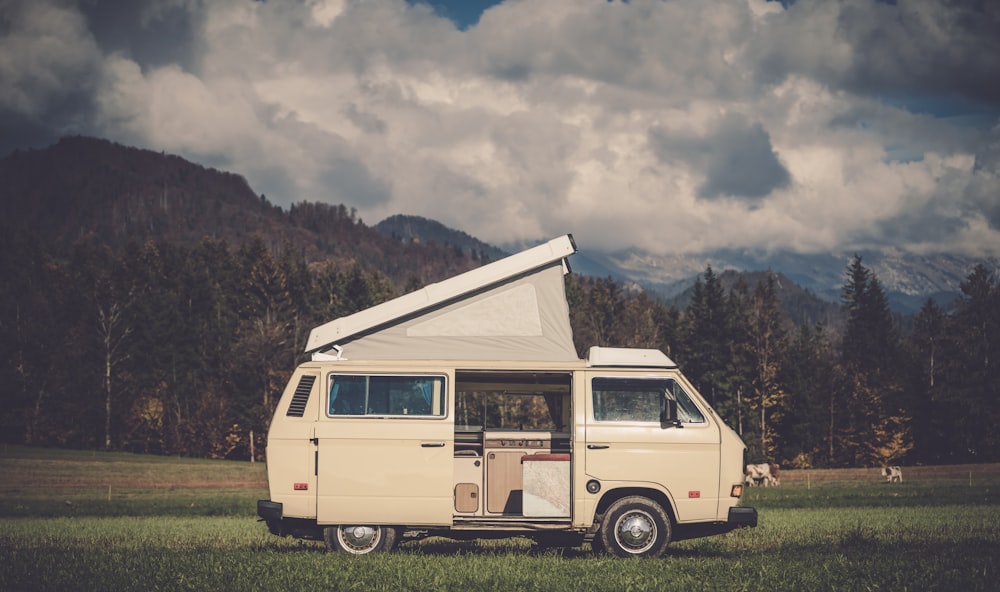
point(462, 410)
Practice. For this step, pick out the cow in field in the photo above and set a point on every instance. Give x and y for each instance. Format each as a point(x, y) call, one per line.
point(893, 474)
point(763, 474)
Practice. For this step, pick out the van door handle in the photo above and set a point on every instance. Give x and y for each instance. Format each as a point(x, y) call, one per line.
point(598, 446)
point(432, 444)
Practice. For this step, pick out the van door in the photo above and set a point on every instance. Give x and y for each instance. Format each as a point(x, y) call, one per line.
point(628, 445)
point(385, 451)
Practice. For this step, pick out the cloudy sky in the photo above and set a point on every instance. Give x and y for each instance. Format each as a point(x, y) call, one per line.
point(675, 126)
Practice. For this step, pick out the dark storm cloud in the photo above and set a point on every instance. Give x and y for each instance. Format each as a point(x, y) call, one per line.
point(150, 32)
point(49, 68)
point(737, 158)
point(923, 47)
point(742, 162)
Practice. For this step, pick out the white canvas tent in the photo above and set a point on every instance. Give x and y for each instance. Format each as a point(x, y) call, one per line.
point(512, 309)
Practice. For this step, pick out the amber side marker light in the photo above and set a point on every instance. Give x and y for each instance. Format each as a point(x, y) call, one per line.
point(736, 491)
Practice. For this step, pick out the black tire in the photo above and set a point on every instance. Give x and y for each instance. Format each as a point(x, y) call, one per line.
point(359, 540)
point(597, 546)
point(635, 526)
point(556, 540)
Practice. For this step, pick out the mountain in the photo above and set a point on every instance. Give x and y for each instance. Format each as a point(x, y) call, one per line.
point(908, 279)
point(415, 229)
point(89, 188)
point(82, 187)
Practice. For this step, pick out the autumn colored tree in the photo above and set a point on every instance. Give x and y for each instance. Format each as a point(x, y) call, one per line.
point(766, 348)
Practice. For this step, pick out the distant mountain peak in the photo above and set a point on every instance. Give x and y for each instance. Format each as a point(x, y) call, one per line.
point(418, 229)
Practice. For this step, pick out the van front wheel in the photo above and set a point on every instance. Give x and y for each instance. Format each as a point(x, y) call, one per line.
point(635, 526)
point(359, 540)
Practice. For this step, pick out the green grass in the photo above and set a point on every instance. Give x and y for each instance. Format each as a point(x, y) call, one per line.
point(178, 532)
point(53, 483)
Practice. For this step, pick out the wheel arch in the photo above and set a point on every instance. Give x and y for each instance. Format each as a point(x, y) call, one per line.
point(651, 493)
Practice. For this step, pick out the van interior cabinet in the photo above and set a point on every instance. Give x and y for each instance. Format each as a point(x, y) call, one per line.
point(503, 485)
point(468, 484)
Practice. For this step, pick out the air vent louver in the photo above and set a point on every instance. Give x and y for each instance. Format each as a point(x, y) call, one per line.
point(297, 407)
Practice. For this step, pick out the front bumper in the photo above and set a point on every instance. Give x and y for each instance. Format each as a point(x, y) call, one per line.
point(269, 510)
point(741, 516)
point(271, 513)
point(302, 528)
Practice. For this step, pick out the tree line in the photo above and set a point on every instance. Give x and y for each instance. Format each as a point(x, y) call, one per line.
point(167, 349)
point(865, 394)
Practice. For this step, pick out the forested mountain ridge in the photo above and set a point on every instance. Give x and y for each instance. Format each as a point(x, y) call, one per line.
point(88, 188)
point(423, 230)
point(82, 187)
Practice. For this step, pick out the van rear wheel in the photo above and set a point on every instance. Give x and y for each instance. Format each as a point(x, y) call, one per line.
point(635, 526)
point(359, 540)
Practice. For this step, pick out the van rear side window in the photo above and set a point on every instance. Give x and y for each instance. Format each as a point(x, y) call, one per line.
point(355, 395)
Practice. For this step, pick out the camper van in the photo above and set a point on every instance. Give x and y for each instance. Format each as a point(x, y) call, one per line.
point(462, 410)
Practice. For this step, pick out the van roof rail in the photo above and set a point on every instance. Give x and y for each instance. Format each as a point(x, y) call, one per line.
point(632, 357)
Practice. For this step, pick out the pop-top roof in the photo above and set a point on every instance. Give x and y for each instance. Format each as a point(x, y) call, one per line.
point(512, 309)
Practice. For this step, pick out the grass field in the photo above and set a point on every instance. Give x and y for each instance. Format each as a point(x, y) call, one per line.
point(98, 521)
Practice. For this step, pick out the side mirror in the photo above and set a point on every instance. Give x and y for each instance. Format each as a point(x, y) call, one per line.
point(668, 414)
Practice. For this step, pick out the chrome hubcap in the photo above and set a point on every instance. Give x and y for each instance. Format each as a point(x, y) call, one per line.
point(359, 539)
point(636, 532)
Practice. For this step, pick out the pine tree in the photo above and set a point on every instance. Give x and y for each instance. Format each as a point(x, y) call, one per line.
point(708, 342)
point(264, 332)
point(928, 351)
point(602, 311)
point(870, 355)
point(808, 375)
point(975, 378)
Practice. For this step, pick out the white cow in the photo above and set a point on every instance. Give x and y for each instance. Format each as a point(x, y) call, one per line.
point(762, 474)
point(893, 474)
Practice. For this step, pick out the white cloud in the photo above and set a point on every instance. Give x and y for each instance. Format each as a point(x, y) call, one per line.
point(672, 126)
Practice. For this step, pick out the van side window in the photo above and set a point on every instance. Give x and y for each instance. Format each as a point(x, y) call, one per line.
point(521, 401)
point(386, 395)
point(640, 399)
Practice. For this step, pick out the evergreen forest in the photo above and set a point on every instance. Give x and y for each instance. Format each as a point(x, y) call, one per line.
point(184, 350)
